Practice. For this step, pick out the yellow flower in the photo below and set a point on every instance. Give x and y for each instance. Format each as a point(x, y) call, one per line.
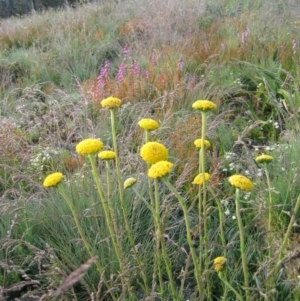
point(111, 102)
point(148, 124)
point(89, 146)
point(152, 152)
point(199, 178)
point(107, 155)
point(219, 263)
point(129, 182)
point(198, 143)
point(53, 179)
point(204, 105)
point(241, 182)
point(160, 169)
point(264, 159)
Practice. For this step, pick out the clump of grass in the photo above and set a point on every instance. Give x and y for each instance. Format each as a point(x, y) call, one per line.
point(158, 238)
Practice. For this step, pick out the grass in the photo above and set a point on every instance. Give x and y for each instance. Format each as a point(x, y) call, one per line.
point(158, 239)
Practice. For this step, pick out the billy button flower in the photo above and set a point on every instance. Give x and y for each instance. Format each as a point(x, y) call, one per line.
point(111, 103)
point(198, 180)
point(264, 159)
point(53, 179)
point(153, 152)
point(241, 182)
point(148, 124)
point(107, 155)
point(198, 143)
point(219, 263)
point(89, 146)
point(160, 169)
point(219, 266)
point(204, 105)
point(129, 182)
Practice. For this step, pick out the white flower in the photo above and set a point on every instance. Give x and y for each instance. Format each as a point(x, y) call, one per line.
point(260, 173)
point(224, 202)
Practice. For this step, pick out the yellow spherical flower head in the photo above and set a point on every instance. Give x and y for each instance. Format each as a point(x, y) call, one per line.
point(241, 182)
point(152, 152)
point(107, 155)
point(199, 178)
point(219, 263)
point(111, 103)
point(204, 105)
point(148, 124)
point(160, 169)
point(264, 159)
point(129, 182)
point(53, 179)
point(89, 146)
point(198, 143)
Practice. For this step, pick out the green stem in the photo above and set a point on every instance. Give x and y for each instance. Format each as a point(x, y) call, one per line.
point(115, 146)
point(108, 178)
point(148, 166)
point(188, 231)
point(202, 150)
point(269, 206)
point(202, 163)
point(204, 205)
point(160, 238)
point(106, 211)
point(228, 285)
point(242, 244)
point(121, 193)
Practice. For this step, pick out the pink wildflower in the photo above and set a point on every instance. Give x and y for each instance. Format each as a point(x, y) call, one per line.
point(121, 72)
point(245, 34)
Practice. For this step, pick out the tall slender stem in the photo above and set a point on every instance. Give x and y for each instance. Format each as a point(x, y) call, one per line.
point(242, 243)
point(269, 206)
point(204, 206)
point(121, 194)
point(106, 212)
point(202, 163)
point(108, 192)
point(115, 146)
point(148, 165)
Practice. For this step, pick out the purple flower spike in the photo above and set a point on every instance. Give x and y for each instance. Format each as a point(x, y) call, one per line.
point(121, 72)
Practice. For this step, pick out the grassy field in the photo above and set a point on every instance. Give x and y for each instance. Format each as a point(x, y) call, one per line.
point(149, 151)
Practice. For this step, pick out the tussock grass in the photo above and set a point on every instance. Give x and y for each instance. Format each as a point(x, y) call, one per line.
point(158, 58)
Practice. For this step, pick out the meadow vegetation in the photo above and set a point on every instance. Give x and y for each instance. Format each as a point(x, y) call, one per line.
point(149, 151)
